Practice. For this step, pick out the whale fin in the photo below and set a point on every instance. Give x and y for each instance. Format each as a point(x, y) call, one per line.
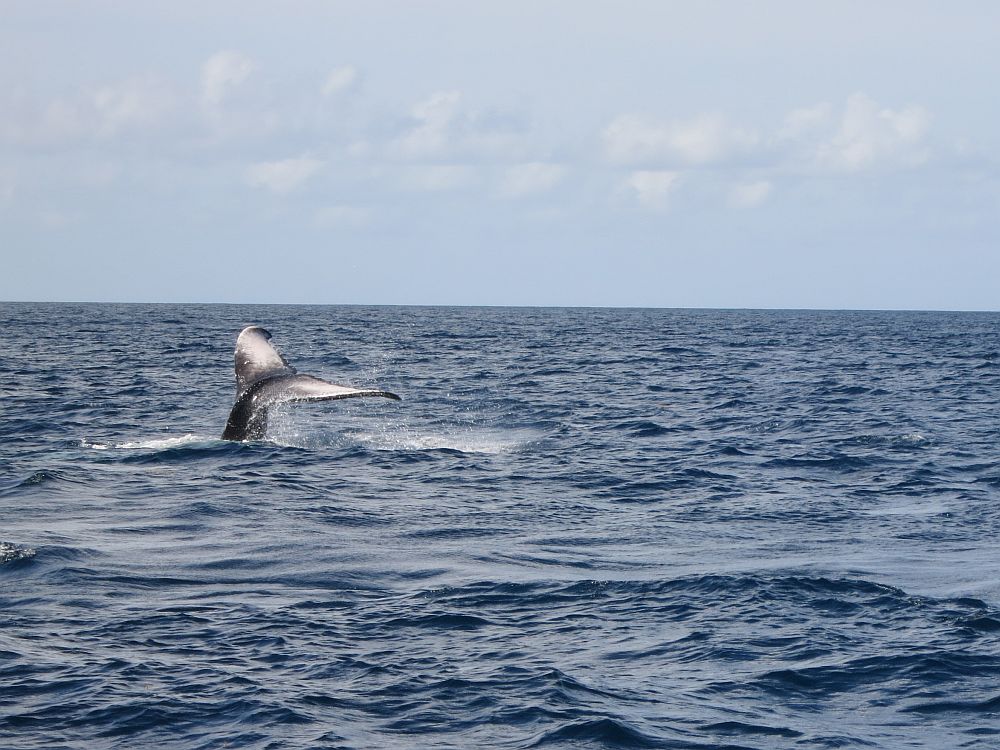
point(257, 359)
point(264, 379)
point(248, 418)
point(309, 388)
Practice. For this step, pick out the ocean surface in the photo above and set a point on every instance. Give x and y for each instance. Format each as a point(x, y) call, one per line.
point(580, 528)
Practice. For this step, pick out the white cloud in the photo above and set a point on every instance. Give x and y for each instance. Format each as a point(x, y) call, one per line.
point(435, 116)
point(445, 131)
point(631, 139)
point(135, 103)
point(805, 120)
point(438, 109)
point(223, 71)
point(861, 135)
point(651, 188)
point(530, 178)
point(282, 176)
point(750, 194)
point(339, 80)
point(870, 134)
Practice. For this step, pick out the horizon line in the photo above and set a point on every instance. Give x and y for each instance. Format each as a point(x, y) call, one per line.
point(511, 306)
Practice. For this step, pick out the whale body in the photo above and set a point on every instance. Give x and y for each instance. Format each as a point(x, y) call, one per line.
point(264, 379)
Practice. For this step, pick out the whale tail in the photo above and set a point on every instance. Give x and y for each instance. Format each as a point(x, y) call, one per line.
point(264, 379)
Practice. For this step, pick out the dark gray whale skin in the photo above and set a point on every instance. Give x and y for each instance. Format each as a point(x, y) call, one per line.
point(264, 378)
point(247, 421)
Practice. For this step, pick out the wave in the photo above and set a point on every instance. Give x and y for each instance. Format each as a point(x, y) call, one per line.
point(602, 732)
point(547, 663)
point(10, 552)
point(44, 479)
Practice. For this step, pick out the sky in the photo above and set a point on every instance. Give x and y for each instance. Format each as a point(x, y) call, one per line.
point(638, 153)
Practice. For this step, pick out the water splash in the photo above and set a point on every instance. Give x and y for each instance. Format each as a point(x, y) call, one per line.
point(154, 444)
point(383, 437)
point(293, 429)
point(10, 552)
point(464, 440)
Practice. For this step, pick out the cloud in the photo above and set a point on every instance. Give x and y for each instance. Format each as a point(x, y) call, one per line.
point(224, 71)
point(862, 135)
point(530, 178)
point(858, 136)
point(750, 194)
point(434, 116)
point(60, 120)
point(133, 104)
point(339, 80)
point(801, 122)
point(282, 176)
point(632, 139)
point(442, 130)
point(869, 135)
point(651, 188)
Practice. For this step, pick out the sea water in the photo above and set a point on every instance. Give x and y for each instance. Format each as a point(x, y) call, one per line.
point(581, 528)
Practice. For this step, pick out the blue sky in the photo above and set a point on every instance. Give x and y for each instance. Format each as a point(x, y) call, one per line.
point(697, 154)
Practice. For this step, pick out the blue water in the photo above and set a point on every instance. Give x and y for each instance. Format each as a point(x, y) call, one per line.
point(579, 529)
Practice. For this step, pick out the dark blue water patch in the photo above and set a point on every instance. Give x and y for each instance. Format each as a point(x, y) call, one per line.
point(738, 728)
point(661, 486)
point(988, 706)
point(644, 428)
point(183, 454)
point(603, 732)
point(442, 621)
point(985, 624)
point(837, 462)
point(452, 533)
point(679, 350)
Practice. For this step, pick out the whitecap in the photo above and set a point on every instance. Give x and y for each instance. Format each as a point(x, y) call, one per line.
point(10, 552)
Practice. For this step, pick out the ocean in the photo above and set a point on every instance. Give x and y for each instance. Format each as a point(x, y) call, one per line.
point(580, 528)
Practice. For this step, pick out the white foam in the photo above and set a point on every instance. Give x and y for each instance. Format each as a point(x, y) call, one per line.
point(383, 437)
point(297, 431)
point(464, 440)
point(154, 444)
